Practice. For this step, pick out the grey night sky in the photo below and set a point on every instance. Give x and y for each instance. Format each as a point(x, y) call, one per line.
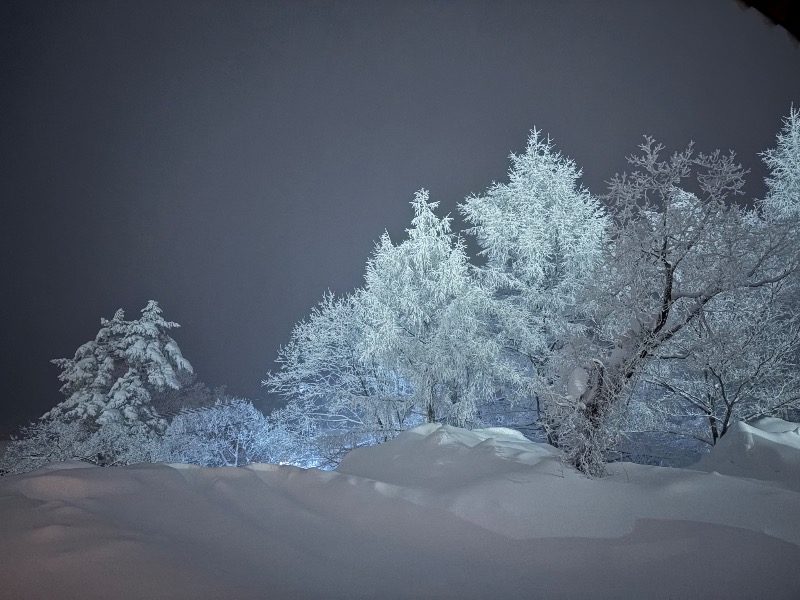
point(233, 160)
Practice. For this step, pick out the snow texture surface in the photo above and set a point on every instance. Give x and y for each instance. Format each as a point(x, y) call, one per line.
point(439, 512)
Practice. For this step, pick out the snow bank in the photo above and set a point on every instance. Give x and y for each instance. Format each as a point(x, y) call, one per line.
point(438, 512)
point(767, 450)
point(441, 458)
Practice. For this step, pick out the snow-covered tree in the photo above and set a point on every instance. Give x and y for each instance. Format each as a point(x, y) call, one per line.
point(670, 302)
point(672, 286)
point(43, 442)
point(672, 253)
point(542, 233)
point(426, 319)
point(410, 345)
point(543, 236)
point(325, 375)
point(111, 378)
point(738, 359)
point(192, 394)
point(737, 362)
point(305, 433)
point(676, 258)
point(783, 198)
point(231, 433)
point(54, 440)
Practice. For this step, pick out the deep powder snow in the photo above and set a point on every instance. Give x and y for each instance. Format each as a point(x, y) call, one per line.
point(438, 512)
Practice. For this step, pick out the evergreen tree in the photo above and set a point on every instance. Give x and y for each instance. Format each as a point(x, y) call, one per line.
point(783, 198)
point(426, 319)
point(111, 378)
point(411, 345)
point(543, 236)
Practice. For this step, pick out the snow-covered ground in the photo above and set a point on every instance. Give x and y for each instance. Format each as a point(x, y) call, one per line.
point(438, 512)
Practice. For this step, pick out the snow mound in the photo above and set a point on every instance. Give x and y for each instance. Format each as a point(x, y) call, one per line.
point(767, 450)
point(438, 512)
point(448, 458)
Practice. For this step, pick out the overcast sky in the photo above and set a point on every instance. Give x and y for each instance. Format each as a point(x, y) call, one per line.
point(233, 160)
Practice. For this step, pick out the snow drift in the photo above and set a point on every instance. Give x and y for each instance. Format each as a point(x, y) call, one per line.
point(439, 512)
point(767, 450)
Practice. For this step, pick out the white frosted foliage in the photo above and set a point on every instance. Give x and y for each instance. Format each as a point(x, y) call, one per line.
point(427, 319)
point(541, 228)
point(783, 183)
point(110, 379)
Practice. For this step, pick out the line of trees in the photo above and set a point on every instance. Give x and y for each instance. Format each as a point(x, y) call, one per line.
point(662, 307)
point(132, 397)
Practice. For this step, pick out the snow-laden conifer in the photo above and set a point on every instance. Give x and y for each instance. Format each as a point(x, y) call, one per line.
point(111, 378)
point(543, 236)
point(541, 230)
point(783, 183)
point(411, 345)
point(426, 319)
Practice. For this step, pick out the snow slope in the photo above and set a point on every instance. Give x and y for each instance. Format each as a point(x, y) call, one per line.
point(438, 512)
